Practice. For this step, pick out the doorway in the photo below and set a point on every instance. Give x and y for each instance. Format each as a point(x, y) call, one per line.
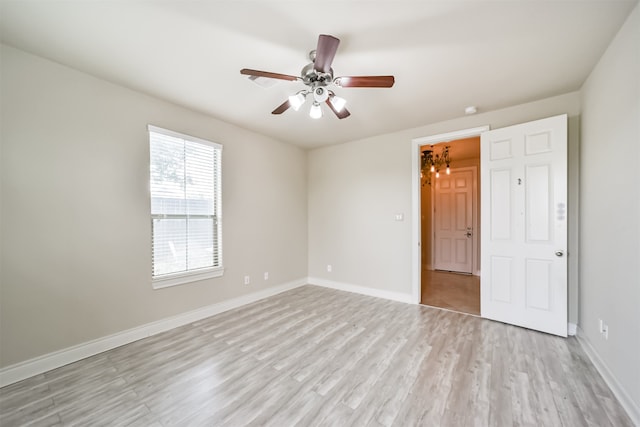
point(449, 212)
point(523, 274)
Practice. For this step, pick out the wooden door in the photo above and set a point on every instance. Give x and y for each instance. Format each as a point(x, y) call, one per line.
point(453, 220)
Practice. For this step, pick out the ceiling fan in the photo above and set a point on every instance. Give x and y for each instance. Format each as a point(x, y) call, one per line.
point(318, 76)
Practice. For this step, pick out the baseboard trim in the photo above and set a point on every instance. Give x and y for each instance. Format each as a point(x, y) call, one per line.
point(363, 290)
point(29, 368)
point(572, 329)
point(633, 410)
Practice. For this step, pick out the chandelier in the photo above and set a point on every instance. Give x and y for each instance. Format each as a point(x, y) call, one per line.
point(433, 162)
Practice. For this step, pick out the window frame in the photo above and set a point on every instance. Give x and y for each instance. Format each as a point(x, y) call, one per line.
point(193, 275)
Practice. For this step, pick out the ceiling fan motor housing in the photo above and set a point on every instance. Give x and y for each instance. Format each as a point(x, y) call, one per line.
point(312, 77)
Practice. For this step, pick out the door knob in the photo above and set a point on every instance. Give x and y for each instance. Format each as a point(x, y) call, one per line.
point(559, 253)
point(468, 234)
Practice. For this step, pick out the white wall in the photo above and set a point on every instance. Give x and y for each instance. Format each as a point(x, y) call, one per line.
point(356, 188)
point(610, 208)
point(75, 224)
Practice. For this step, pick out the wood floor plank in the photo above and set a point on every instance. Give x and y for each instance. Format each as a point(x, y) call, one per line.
point(423, 405)
point(36, 412)
point(390, 390)
point(501, 408)
point(316, 356)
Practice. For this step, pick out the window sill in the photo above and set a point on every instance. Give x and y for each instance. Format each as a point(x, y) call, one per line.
point(184, 278)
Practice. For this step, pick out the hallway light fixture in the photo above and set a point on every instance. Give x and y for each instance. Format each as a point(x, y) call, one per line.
point(433, 162)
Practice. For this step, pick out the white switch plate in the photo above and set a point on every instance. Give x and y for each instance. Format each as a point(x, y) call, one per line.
point(266, 275)
point(329, 268)
point(247, 280)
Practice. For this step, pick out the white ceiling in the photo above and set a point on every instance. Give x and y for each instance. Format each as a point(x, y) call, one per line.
point(445, 55)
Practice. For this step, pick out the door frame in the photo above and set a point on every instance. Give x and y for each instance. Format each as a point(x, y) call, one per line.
point(475, 209)
point(416, 241)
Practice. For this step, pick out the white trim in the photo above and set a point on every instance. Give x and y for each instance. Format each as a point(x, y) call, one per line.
point(174, 134)
point(632, 408)
point(416, 243)
point(572, 329)
point(416, 219)
point(450, 136)
point(47, 362)
point(162, 282)
point(363, 290)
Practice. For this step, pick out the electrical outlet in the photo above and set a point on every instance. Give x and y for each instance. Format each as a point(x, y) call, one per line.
point(329, 268)
point(266, 275)
point(247, 280)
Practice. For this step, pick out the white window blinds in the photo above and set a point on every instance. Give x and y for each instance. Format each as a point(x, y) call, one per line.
point(185, 205)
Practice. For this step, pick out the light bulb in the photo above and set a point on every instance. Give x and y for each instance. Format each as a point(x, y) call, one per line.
point(338, 103)
point(316, 111)
point(448, 170)
point(296, 101)
point(437, 174)
point(433, 168)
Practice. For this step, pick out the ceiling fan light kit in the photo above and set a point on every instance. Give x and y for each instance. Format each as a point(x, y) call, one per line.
point(318, 75)
point(338, 103)
point(315, 112)
point(297, 100)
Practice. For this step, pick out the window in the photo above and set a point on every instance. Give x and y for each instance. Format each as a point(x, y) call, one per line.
point(185, 208)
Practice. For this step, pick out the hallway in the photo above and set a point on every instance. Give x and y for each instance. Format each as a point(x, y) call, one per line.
point(457, 292)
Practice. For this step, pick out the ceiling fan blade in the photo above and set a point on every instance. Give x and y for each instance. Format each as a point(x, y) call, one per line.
point(282, 107)
point(342, 114)
point(364, 81)
point(258, 73)
point(325, 52)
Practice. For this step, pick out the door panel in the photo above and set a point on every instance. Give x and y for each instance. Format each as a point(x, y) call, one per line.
point(500, 212)
point(538, 284)
point(524, 193)
point(537, 178)
point(502, 268)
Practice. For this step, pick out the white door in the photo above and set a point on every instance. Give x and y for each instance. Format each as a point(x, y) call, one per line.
point(453, 220)
point(523, 218)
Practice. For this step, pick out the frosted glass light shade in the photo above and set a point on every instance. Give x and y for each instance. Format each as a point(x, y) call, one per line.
point(316, 111)
point(338, 103)
point(296, 101)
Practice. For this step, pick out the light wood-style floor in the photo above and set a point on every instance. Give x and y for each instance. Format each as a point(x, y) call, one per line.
point(314, 356)
point(457, 292)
